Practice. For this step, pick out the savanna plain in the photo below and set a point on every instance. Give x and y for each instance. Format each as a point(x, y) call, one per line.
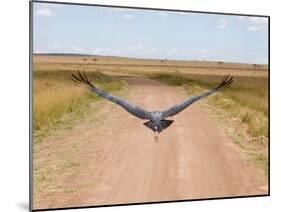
point(88, 151)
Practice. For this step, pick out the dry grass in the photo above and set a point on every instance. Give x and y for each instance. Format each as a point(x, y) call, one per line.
point(242, 110)
point(142, 66)
point(56, 96)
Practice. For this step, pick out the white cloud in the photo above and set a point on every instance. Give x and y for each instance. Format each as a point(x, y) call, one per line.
point(182, 13)
point(222, 24)
point(67, 48)
point(136, 47)
point(172, 52)
point(45, 12)
point(129, 51)
point(204, 54)
point(47, 5)
point(202, 51)
point(255, 24)
point(258, 20)
point(139, 49)
point(125, 13)
point(171, 13)
point(151, 51)
point(105, 51)
point(255, 28)
point(136, 50)
point(115, 9)
point(258, 24)
point(129, 17)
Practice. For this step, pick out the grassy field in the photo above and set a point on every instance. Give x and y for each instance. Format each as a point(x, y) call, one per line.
point(144, 66)
point(242, 110)
point(56, 97)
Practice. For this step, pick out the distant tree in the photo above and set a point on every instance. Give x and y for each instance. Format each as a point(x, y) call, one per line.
point(255, 66)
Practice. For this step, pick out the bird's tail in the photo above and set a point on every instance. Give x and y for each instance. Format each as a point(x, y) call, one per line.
point(158, 126)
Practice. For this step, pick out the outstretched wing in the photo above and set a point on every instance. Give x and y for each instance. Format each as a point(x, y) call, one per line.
point(226, 81)
point(81, 78)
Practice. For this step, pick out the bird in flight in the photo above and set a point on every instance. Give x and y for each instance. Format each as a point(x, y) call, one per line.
point(157, 121)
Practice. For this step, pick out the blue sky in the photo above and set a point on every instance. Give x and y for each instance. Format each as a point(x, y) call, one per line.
point(62, 28)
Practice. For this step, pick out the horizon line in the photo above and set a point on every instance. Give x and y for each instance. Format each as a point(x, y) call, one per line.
point(140, 58)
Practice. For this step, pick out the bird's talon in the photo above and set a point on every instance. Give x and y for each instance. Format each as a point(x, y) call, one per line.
point(156, 139)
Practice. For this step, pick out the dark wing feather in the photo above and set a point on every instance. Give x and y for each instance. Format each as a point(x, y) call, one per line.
point(226, 82)
point(81, 78)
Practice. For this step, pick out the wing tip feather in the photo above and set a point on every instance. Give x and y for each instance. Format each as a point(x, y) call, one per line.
point(81, 79)
point(226, 82)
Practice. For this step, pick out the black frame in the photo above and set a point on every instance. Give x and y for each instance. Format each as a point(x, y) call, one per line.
point(31, 104)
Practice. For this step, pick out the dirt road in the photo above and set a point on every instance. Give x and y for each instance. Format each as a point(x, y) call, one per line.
point(111, 157)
